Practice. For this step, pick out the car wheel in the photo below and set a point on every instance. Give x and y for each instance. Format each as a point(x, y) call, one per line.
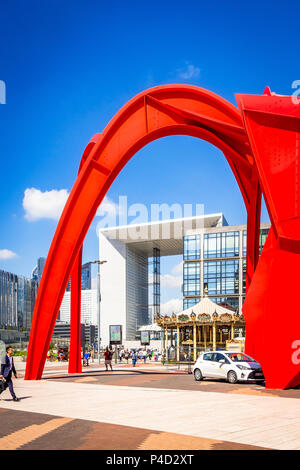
point(232, 377)
point(198, 375)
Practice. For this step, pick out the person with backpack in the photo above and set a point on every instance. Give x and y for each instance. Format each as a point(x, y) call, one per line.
point(108, 358)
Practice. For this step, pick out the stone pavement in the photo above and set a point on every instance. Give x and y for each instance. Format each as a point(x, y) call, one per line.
point(144, 408)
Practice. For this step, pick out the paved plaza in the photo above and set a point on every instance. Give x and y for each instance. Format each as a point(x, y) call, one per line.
point(148, 407)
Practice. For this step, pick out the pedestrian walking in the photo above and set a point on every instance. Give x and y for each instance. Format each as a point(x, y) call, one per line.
point(7, 369)
point(126, 355)
point(134, 358)
point(108, 358)
point(145, 356)
point(86, 358)
point(121, 355)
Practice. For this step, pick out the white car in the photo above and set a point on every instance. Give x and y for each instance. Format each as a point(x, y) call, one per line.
point(232, 366)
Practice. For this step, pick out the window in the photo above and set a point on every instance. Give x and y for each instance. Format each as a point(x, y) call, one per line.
point(219, 357)
point(262, 238)
point(221, 245)
point(187, 303)
point(244, 276)
point(208, 357)
point(191, 247)
point(244, 242)
point(221, 277)
point(227, 302)
point(191, 279)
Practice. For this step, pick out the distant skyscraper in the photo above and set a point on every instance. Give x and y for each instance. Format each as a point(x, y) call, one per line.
point(38, 269)
point(86, 277)
point(8, 299)
point(27, 291)
point(88, 307)
point(41, 264)
point(17, 299)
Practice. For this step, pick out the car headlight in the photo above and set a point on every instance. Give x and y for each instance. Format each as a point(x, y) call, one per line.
point(242, 367)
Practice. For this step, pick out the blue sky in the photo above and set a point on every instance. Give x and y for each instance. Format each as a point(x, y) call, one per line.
point(69, 66)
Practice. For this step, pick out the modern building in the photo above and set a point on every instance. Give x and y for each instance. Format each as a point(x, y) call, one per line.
point(61, 334)
point(214, 264)
point(38, 269)
point(88, 307)
point(17, 299)
point(8, 299)
point(27, 292)
point(86, 277)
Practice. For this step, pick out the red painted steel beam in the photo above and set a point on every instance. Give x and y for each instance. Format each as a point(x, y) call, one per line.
point(75, 364)
point(271, 309)
point(155, 113)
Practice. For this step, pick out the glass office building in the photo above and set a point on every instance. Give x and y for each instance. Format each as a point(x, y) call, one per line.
point(86, 278)
point(17, 299)
point(215, 265)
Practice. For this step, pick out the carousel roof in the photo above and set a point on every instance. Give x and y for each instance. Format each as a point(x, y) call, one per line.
point(206, 306)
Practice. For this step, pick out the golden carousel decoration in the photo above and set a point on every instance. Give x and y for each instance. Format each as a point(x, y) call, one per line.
point(206, 326)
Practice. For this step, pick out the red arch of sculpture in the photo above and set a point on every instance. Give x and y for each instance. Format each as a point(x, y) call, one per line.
point(261, 141)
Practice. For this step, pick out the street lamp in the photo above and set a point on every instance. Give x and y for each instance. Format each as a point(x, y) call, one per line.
point(98, 302)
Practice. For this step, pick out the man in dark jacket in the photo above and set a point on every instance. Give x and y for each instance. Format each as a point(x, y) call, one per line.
point(7, 368)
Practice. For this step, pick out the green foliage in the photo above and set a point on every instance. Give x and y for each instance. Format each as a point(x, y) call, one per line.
point(19, 353)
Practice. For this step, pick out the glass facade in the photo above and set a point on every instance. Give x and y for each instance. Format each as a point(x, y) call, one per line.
point(17, 299)
point(221, 245)
point(221, 277)
point(191, 279)
point(218, 269)
point(191, 247)
point(227, 302)
point(86, 278)
point(8, 299)
point(262, 240)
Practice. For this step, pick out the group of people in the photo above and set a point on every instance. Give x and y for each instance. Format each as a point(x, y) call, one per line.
point(134, 355)
point(138, 355)
point(8, 368)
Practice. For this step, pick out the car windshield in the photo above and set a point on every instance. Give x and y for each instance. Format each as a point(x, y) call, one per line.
point(240, 357)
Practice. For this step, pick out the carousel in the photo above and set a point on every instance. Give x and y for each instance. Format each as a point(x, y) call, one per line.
point(203, 327)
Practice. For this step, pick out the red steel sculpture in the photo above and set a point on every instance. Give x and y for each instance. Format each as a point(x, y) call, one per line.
point(260, 140)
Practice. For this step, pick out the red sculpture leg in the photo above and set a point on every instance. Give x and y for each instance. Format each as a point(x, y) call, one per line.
point(271, 307)
point(272, 315)
point(75, 364)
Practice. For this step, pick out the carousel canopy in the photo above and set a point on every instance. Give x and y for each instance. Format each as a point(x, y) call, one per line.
point(206, 306)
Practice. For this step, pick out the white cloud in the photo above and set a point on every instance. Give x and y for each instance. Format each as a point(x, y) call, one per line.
point(108, 207)
point(49, 204)
point(44, 205)
point(172, 280)
point(172, 305)
point(189, 72)
point(168, 280)
point(7, 254)
point(178, 268)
